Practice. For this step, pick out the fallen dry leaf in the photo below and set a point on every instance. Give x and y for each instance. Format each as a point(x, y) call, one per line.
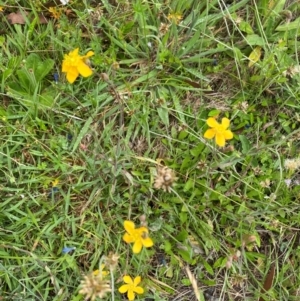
point(17, 18)
point(20, 18)
point(268, 281)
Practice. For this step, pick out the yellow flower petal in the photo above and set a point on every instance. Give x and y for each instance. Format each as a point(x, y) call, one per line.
point(137, 246)
point(128, 238)
point(124, 288)
point(130, 295)
point(138, 290)
point(74, 52)
point(228, 135)
point(104, 273)
point(129, 226)
point(84, 69)
point(143, 230)
point(127, 279)
point(147, 242)
point(65, 66)
point(220, 139)
point(137, 280)
point(209, 134)
point(225, 123)
point(72, 74)
point(89, 54)
point(212, 122)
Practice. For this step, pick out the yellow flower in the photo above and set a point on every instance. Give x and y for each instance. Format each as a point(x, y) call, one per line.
point(131, 287)
point(103, 272)
point(55, 183)
point(55, 12)
point(138, 236)
point(75, 64)
point(218, 131)
point(175, 17)
point(1, 8)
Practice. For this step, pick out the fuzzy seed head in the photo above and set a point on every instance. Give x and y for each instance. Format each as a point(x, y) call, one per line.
point(94, 286)
point(165, 178)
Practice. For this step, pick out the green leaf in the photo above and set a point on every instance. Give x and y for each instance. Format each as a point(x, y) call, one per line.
point(163, 113)
point(182, 236)
point(197, 150)
point(190, 43)
point(186, 256)
point(186, 282)
point(27, 81)
point(2, 40)
point(182, 135)
point(189, 185)
point(220, 262)
point(178, 107)
point(43, 69)
point(237, 53)
point(289, 26)
point(255, 40)
point(246, 27)
point(197, 74)
point(39, 67)
point(208, 268)
point(246, 146)
point(186, 163)
point(83, 131)
point(32, 60)
point(214, 113)
point(183, 217)
point(168, 246)
point(47, 98)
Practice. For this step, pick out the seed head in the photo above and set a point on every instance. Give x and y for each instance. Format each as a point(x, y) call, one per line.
point(165, 178)
point(111, 260)
point(94, 286)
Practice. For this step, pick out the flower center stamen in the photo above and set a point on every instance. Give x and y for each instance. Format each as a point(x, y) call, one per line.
point(219, 129)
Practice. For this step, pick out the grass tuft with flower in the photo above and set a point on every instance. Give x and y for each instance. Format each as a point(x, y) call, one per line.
point(149, 150)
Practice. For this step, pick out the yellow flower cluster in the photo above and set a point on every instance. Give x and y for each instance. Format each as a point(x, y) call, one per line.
point(139, 237)
point(175, 17)
point(96, 284)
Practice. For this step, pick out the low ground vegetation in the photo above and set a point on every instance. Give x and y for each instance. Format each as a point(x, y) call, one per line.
point(149, 150)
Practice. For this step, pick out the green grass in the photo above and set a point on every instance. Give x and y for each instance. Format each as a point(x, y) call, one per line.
point(228, 217)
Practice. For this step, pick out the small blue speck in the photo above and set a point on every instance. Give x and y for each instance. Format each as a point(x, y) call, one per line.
point(67, 250)
point(52, 192)
point(215, 62)
point(162, 261)
point(56, 77)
